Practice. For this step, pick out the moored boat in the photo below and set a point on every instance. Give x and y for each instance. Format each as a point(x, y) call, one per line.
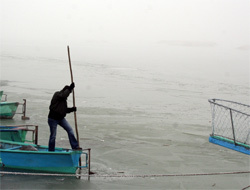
point(8, 109)
point(18, 133)
point(230, 125)
point(37, 158)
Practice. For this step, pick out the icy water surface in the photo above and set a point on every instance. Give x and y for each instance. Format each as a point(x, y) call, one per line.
point(137, 121)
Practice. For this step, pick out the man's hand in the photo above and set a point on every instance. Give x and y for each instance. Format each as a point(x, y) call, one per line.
point(73, 109)
point(72, 86)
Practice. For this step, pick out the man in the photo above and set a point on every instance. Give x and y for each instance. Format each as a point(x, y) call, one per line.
point(58, 110)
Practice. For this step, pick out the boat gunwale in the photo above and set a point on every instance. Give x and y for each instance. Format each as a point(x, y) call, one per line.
point(57, 151)
point(6, 103)
point(70, 152)
point(12, 130)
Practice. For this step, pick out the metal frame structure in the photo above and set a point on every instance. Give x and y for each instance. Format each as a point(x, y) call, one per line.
point(230, 124)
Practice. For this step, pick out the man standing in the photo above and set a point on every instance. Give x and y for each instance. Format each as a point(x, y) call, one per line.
point(58, 110)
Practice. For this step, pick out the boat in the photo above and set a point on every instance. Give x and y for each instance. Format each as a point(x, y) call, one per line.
point(18, 133)
point(37, 158)
point(8, 109)
point(230, 125)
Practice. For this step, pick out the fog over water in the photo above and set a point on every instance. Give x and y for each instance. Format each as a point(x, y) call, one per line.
point(144, 70)
point(195, 37)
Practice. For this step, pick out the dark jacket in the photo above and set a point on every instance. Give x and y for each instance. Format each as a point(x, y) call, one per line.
point(58, 106)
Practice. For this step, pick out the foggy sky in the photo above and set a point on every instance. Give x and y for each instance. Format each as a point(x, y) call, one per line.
point(125, 21)
point(126, 31)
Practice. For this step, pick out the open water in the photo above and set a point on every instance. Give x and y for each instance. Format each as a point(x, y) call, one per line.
point(137, 119)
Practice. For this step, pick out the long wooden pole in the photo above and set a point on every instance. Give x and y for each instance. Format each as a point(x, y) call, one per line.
point(74, 103)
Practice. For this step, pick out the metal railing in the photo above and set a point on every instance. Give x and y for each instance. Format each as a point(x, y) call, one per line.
point(230, 120)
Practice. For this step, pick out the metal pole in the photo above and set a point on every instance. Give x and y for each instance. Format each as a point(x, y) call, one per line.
point(232, 125)
point(89, 164)
point(24, 111)
point(36, 134)
point(213, 117)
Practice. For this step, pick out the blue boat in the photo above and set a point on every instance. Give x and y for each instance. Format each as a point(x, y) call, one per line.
point(230, 125)
point(23, 156)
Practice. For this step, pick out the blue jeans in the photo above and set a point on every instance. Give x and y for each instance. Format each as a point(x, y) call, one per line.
point(64, 124)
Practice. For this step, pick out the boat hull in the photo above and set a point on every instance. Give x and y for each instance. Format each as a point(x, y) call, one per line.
point(11, 133)
point(240, 147)
point(1, 94)
point(8, 109)
point(59, 161)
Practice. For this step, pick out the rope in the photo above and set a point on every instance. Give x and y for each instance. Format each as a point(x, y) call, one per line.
point(246, 187)
point(124, 176)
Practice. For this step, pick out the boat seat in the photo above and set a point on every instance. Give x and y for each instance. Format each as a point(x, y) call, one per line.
point(14, 148)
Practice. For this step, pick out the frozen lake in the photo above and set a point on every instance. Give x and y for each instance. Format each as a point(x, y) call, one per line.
point(137, 119)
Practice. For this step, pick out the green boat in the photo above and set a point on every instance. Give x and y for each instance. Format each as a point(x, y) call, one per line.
point(18, 133)
point(8, 109)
